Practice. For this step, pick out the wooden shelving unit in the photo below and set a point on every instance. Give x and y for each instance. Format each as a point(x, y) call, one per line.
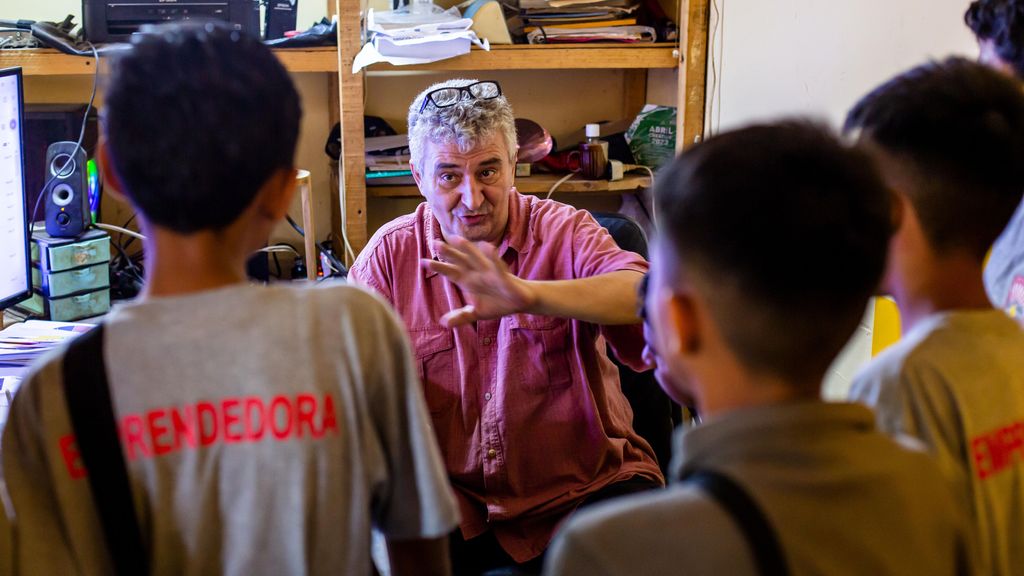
point(689, 57)
point(46, 62)
point(537, 184)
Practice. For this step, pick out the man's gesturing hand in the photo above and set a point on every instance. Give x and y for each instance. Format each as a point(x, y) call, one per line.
point(491, 289)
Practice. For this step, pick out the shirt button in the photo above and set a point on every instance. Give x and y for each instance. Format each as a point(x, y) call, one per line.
point(487, 395)
point(487, 341)
point(492, 453)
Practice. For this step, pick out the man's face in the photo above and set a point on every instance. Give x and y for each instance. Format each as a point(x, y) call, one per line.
point(468, 192)
point(659, 330)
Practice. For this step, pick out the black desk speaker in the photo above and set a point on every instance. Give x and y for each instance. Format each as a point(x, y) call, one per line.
point(66, 193)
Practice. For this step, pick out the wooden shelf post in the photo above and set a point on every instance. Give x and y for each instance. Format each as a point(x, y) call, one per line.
point(351, 177)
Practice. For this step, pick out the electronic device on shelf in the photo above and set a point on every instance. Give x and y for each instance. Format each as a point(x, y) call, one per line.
point(15, 274)
point(114, 21)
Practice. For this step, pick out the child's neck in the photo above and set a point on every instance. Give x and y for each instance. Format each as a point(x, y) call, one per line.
point(954, 284)
point(735, 388)
point(178, 264)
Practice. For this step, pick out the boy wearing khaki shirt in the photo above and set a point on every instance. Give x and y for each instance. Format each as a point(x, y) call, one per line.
point(745, 317)
point(264, 429)
point(949, 139)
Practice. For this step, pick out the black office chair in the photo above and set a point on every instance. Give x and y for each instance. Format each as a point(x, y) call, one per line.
point(655, 415)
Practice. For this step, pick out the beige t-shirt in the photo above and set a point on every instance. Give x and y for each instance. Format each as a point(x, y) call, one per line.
point(842, 499)
point(265, 430)
point(956, 382)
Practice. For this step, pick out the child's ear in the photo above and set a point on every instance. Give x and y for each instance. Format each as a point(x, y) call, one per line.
point(276, 196)
point(109, 177)
point(685, 323)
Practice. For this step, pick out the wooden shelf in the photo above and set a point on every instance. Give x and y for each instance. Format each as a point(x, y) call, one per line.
point(46, 62)
point(537, 184)
point(323, 59)
point(555, 57)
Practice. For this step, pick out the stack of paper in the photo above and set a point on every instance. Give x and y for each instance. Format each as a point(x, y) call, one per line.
point(598, 14)
point(415, 43)
point(625, 34)
point(21, 344)
point(558, 21)
point(8, 386)
point(387, 161)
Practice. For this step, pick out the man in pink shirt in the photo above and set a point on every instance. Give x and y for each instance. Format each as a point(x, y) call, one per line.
point(511, 303)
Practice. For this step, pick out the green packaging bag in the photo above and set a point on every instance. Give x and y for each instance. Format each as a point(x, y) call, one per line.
point(652, 136)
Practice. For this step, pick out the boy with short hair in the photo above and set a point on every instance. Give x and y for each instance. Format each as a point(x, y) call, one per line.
point(264, 429)
point(772, 240)
point(949, 139)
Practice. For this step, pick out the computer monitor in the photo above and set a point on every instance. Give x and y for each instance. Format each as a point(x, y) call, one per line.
point(15, 276)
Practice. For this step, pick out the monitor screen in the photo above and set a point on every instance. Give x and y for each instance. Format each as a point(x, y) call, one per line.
point(15, 279)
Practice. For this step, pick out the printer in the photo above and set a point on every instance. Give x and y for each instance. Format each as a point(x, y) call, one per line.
point(116, 20)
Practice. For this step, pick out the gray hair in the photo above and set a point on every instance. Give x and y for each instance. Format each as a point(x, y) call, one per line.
point(466, 123)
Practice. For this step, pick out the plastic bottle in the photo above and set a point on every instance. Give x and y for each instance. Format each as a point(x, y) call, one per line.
point(593, 154)
point(593, 132)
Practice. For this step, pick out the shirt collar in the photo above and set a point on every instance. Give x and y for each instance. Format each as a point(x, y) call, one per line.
point(728, 438)
point(518, 235)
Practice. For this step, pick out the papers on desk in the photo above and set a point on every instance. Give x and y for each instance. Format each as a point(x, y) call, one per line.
point(8, 386)
point(416, 43)
point(21, 344)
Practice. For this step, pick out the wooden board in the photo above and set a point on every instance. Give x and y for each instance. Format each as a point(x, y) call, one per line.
point(538, 184)
point(550, 57)
point(351, 179)
point(46, 62)
point(692, 73)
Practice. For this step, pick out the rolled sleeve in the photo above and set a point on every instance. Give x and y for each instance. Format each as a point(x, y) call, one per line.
point(595, 253)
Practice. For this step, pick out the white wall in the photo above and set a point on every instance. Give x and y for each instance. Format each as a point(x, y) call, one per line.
point(818, 57)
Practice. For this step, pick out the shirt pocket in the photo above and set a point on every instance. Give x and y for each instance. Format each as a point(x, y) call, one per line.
point(435, 361)
point(541, 351)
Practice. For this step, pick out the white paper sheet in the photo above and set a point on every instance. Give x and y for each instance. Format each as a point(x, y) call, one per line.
point(416, 44)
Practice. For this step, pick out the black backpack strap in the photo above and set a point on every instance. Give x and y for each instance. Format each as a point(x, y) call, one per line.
point(87, 394)
point(748, 516)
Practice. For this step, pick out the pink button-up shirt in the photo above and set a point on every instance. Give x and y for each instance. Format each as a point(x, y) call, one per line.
point(527, 409)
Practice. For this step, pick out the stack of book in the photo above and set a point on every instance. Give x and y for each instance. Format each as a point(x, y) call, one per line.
point(387, 161)
point(21, 344)
point(570, 21)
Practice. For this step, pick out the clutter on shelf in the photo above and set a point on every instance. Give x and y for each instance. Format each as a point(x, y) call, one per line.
point(416, 35)
point(423, 32)
point(574, 21)
point(387, 161)
point(652, 135)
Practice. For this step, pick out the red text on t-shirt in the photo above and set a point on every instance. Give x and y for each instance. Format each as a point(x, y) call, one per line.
point(232, 420)
point(998, 450)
